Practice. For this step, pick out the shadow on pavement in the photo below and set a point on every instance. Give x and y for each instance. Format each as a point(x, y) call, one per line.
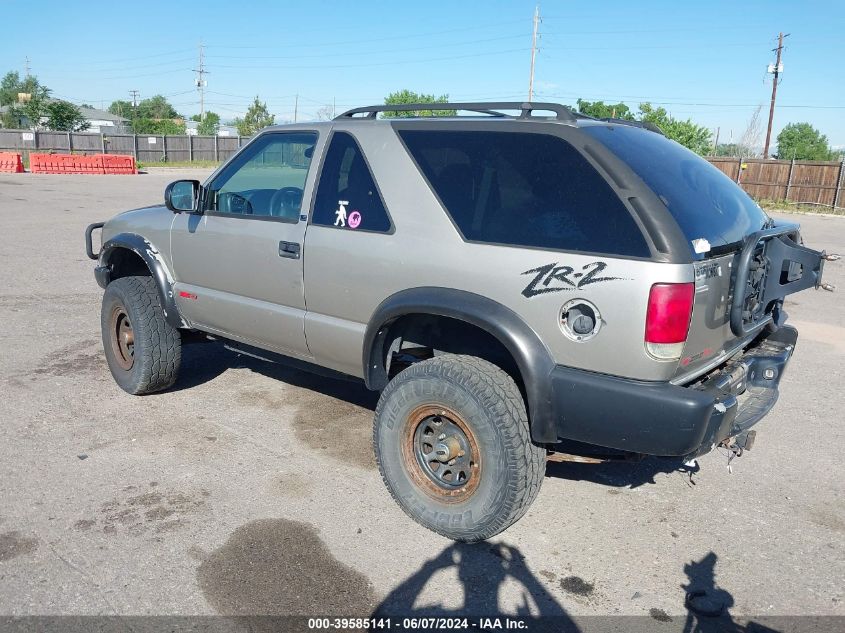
point(482, 570)
point(203, 362)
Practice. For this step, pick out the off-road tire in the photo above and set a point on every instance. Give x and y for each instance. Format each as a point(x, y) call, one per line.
point(490, 404)
point(157, 345)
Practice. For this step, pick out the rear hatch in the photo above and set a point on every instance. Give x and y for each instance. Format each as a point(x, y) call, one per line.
point(719, 219)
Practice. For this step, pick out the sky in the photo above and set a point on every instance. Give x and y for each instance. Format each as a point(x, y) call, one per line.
point(700, 60)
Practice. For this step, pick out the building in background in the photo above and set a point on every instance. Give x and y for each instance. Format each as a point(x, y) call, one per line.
point(99, 121)
point(223, 130)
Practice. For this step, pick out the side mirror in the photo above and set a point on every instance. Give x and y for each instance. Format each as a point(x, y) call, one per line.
point(182, 195)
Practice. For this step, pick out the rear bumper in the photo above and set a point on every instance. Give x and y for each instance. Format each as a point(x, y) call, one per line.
point(670, 420)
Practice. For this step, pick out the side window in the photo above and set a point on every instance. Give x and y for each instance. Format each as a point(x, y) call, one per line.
point(347, 196)
point(266, 180)
point(524, 189)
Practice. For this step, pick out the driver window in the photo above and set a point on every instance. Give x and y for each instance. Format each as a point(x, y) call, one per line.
point(266, 180)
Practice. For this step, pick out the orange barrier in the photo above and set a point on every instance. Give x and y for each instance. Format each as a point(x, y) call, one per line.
point(73, 164)
point(65, 164)
point(11, 163)
point(119, 164)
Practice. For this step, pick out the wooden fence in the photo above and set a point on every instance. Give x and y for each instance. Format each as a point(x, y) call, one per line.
point(797, 181)
point(146, 148)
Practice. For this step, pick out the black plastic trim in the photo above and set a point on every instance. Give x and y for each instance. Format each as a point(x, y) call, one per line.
point(145, 250)
point(89, 246)
point(532, 357)
point(659, 418)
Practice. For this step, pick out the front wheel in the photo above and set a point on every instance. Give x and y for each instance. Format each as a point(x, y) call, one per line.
point(453, 447)
point(143, 350)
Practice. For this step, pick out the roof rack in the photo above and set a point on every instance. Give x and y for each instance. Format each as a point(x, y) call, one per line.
point(562, 113)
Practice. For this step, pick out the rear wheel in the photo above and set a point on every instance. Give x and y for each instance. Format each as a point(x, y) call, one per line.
point(142, 349)
point(453, 447)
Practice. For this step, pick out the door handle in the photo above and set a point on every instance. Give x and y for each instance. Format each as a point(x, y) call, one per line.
point(289, 250)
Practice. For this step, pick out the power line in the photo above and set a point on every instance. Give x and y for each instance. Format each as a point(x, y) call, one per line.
point(775, 69)
point(398, 62)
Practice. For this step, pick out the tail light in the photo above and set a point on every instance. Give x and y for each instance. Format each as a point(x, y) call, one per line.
point(668, 318)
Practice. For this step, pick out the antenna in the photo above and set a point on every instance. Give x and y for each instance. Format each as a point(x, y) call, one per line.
point(200, 82)
point(26, 65)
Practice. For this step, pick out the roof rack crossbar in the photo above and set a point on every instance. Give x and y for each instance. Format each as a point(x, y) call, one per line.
point(562, 113)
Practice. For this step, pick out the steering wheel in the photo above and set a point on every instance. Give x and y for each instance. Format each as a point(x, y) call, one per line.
point(286, 202)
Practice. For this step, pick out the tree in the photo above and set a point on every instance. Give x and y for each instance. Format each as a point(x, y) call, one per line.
point(325, 113)
point(156, 107)
point(689, 134)
point(12, 85)
point(602, 110)
point(801, 141)
point(731, 150)
point(407, 96)
point(749, 142)
point(158, 127)
point(65, 117)
point(122, 108)
point(209, 123)
point(255, 119)
point(28, 110)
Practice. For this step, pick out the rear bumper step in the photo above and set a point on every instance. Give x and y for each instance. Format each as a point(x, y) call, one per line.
point(670, 420)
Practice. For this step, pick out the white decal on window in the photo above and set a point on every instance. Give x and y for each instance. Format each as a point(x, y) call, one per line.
point(701, 245)
point(341, 213)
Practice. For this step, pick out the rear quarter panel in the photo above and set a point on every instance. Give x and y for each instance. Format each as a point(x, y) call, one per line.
point(348, 274)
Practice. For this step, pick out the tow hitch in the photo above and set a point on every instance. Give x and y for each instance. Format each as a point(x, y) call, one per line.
point(737, 445)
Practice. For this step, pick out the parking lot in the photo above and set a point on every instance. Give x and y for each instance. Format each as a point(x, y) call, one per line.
point(250, 488)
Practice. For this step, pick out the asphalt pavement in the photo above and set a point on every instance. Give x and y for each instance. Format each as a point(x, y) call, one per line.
point(250, 488)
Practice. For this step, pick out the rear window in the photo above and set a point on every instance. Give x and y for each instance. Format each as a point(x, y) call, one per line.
point(521, 189)
point(704, 201)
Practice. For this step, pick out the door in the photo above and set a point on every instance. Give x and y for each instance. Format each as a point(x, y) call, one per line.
point(238, 264)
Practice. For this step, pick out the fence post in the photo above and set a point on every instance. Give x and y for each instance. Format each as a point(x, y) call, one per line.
point(135, 146)
point(103, 142)
point(190, 148)
point(838, 185)
point(216, 151)
point(239, 140)
point(739, 170)
point(35, 139)
point(164, 148)
point(789, 179)
point(69, 143)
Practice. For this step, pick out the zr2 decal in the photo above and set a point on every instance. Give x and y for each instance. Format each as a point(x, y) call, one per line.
point(554, 278)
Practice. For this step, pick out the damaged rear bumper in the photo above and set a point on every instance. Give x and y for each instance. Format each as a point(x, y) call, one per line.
point(671, 420)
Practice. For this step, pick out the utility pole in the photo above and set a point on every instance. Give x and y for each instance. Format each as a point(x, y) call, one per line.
point(201, 83)
point(27, 66)
point(775, 69)
point(533, 52)
point(134, 94)
point(295, 108)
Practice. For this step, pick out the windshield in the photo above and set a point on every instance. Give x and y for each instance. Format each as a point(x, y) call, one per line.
point(706, 203)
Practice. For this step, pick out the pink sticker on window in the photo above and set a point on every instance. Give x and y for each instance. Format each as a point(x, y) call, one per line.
point(354, 219)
